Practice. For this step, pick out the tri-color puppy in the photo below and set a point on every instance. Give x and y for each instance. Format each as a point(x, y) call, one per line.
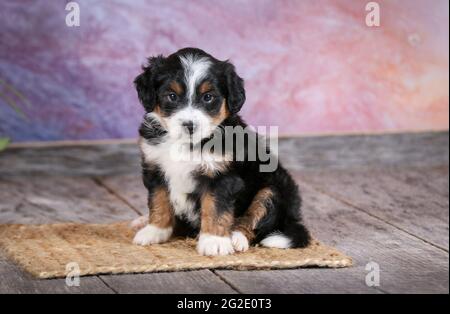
point(189, 98)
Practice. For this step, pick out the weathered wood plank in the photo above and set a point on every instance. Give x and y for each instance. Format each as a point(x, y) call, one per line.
point(407, 264)
point(70, 160)
point(43, 199)
point(411, 206)
point(199, 281)
point(128, 187)
point(315, 152)
point(433, 179)
point(362, 151)
point(308, 280)
point(13, 280)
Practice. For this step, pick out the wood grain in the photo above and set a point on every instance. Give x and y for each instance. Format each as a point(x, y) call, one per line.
point(201, 281)
point(407, 264)
point(71, 160)
point(43, 199)
point(309, 280)
point(363, 151)
point(435, 180)
point(13, 280)
point(394, 196)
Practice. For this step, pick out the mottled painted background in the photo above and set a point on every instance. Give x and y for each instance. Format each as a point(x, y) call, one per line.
point(309, 66)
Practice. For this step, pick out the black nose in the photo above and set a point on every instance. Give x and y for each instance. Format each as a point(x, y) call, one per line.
point(189, 126)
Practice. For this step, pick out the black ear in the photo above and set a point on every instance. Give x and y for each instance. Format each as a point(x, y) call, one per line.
point(235, 88)
point(145, 83)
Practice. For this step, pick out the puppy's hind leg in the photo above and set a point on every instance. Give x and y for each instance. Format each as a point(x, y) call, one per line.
point(289, 230)
point(244, 229)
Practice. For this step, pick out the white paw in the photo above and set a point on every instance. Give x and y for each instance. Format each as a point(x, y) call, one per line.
point(277, 240)
point(214, 245)
point(152, 235)
point(139, 222)
point(239, 241)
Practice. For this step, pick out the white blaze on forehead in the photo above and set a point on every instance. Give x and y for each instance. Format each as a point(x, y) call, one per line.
point(195, 68)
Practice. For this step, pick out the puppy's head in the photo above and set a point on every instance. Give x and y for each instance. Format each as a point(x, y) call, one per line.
point(190, 92)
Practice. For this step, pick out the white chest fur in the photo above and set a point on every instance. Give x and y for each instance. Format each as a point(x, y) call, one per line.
point(179, 165)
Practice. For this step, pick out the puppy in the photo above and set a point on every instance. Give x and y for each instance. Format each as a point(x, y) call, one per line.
point(192, 99)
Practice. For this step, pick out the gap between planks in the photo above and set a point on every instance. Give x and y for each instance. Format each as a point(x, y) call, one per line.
point(106, 284)
point(117, 195)
point(227, 282)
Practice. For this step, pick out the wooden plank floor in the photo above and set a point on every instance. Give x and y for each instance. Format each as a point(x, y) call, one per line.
point(378, 198)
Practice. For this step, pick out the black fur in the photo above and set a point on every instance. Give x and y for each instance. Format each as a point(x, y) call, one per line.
point(145, 83)
point(235, 92)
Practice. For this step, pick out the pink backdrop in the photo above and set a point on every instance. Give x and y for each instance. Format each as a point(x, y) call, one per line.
point(309, 66)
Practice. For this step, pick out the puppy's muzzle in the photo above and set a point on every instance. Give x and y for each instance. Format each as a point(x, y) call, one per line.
point(189, 126)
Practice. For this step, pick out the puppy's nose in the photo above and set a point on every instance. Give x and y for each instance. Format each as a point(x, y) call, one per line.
point(189, 126)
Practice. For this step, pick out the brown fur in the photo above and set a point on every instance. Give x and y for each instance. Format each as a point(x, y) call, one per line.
point(176, 87)
point(257, 210)
point(211, 222)
point(158, 110)
point(222, 115)
point(205, 87)
point(161, 213)
point(162, 117)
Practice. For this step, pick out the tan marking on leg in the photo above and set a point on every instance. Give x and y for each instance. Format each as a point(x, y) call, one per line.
point(161, 213)
point(211, 222)
point(257, 210)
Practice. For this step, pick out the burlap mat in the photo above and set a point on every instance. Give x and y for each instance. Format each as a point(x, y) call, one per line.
point(45, 250)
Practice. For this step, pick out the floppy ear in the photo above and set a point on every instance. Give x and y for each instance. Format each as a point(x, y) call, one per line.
point(235, 88)
point(145, 83)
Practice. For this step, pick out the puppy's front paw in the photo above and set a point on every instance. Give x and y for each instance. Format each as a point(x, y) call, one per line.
point(152, 235)
point(239, 241)
point(214, 245)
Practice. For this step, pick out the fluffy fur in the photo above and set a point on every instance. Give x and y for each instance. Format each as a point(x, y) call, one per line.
point(190, 98)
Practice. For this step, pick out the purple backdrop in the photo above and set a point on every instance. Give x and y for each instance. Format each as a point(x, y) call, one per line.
point(309, 66)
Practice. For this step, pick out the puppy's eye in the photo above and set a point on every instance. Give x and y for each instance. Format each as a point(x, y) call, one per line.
point(208, 98)
point(172, 97)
